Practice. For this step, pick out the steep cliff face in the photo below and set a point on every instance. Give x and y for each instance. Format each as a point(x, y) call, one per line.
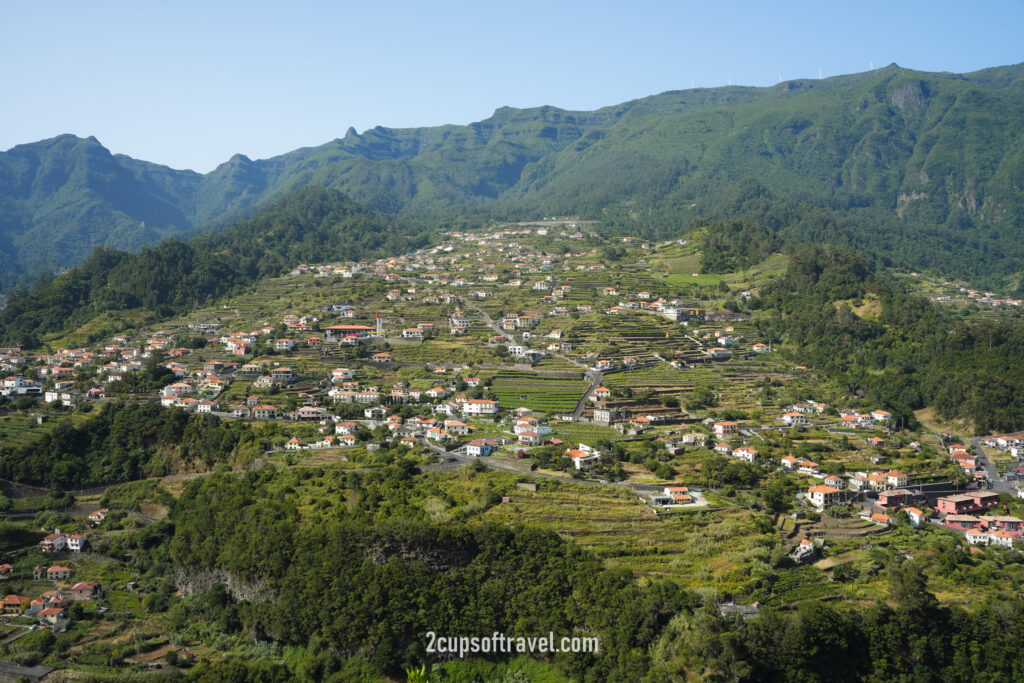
point(191, 581)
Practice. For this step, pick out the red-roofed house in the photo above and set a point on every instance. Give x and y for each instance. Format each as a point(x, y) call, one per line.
point(58, 572)
point(86, 590)
point(745, 453)
point(894, 498)
point(54, 542)
point(824, 496)
point(50, 615)
point(724, 430)
point(895, 478)
point(916, 516)
point(14, 604)
point(584, 456)
point(793, 419)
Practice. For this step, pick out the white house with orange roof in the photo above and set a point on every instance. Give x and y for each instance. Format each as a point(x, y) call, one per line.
point(896, 479)
point(807, 467)
point(881, 416)
point(917, 516)
point(724, 430)
point(54, 542)
point(822, 496)
point(680, 495)
point(804, 550)
point(745, 453)
point(793, 419)
point(583, 456)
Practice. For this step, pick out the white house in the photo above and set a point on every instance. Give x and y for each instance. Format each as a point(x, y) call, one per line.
point(745, 453)
point(824, 496)
point(793, 419)
point(479, 406)
point(726, 429)
point(916, 516)
point(584, 456)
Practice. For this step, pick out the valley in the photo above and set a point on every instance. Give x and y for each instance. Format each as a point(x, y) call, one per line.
point(599, 391)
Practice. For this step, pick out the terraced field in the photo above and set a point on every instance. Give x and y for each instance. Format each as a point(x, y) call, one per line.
point(584, 432)
point(657, 377)
point(21, 431)
point(715, 549)
point(546, 394)
point(797, 584)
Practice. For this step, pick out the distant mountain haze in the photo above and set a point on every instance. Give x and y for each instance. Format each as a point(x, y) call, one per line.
point(909, 154)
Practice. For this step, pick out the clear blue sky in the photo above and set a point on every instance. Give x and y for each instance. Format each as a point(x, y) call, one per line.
point(188, 83)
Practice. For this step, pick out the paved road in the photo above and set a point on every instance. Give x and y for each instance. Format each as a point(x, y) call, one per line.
point(595, 377)
point(998, 483)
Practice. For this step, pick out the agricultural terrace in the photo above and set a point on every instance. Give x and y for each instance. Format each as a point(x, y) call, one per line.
point(530, 390)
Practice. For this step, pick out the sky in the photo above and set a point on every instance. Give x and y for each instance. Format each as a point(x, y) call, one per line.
point(188, 84)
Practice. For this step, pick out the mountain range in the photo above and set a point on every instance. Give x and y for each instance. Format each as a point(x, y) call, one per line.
point(898, 158)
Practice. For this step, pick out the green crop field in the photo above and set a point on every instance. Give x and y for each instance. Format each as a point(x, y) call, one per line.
point(658, 376)
point(545, 394)
point(800, 583)
point(584, 432)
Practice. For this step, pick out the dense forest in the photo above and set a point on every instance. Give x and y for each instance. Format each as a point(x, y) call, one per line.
point(911, 355)
point(125, 442)
point(309, 225)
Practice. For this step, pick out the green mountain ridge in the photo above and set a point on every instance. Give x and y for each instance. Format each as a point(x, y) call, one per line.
point(917, 155)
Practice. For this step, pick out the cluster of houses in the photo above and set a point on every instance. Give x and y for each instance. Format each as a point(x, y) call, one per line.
point(409, 431)
point(50, 607)
point(958, 511)
point(344, 270)
point(799, 414)
point(531, 431)
point(58, 542)
point(1012, 444)
point(997, 530)
point(962, 456)
point(196, 390)
point(990, 298)
point(673, 309)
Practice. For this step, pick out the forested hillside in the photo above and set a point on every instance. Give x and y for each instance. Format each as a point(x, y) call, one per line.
point(349, 592)
point(914, 354)
point(310, 224)
point(917, 166)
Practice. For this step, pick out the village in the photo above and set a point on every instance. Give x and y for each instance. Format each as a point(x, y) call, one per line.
point(526, 350)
